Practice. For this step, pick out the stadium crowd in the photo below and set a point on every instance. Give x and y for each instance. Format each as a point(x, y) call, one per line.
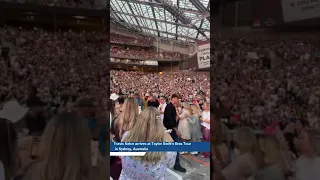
point(133, 62)
point(127, 40)
point(266, 107)
point(63, 66)
point(186, 85)
point(53, 84)
point(88, 4)
point(147, 104)
point(144, 54)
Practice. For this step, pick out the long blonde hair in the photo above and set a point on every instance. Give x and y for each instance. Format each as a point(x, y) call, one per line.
point(247, 142)
point(195, 110)
point(245, 138)
point(128, 117)
point(65, 150)
point(148, 128)
point(271, 148)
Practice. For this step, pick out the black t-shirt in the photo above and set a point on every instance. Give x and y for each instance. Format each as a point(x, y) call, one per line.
point(36, 125)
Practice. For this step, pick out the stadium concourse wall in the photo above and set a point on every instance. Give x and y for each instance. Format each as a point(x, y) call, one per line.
point(296, 13)
point(193, 61)
point(267, 16)
point(163, 44)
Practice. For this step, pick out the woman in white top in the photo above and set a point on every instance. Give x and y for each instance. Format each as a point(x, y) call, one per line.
point(183, 126)
point(183, 122)
point(205, 125)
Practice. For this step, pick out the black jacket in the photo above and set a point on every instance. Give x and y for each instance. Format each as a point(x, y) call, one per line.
point(169, 118)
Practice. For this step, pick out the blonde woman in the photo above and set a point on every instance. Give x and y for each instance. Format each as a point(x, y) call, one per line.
point(64, 152)
point(275, 166)
point(126, 119)
point(194, 125)
point(248, 162)
point(220, 139)
point(153, 165)
point(308, 163)
point(183, 126)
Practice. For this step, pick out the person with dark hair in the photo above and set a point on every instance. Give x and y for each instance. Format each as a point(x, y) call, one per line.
point(8, 150)
point(121, 98)
point(36, 120)
point(170, 121)
point(10, 115)
point(153, 102)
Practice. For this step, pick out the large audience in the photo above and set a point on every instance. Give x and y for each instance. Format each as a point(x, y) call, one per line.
point(133, 62)
point(280, 83)
point(59, 66)
point(265, 104)
point(266, 100)
point(144, 54)
point(161, 107)
point(187, 85)
point(128, 40)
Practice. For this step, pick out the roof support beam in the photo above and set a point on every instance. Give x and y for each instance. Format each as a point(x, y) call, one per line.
point(173, 34)
point(176, 12)
point(201, 7)
point(159, 20)
point(160, 5)
point(203, 19)
point(155, 20)
point(200, 27)
point(123, 23)
point(133, 12)
point(178, 4)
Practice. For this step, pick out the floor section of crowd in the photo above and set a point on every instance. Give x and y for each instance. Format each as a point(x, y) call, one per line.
point(140, 96)
point(187, 85)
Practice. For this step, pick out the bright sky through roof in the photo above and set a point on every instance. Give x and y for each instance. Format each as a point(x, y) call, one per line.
point(154, 19)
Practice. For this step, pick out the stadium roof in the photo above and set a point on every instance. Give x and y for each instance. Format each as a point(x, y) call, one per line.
point(186, 20)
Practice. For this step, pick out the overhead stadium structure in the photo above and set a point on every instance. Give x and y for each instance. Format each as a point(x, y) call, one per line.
point(183, 20)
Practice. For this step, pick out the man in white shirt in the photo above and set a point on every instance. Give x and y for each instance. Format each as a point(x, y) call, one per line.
point(162, 106)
